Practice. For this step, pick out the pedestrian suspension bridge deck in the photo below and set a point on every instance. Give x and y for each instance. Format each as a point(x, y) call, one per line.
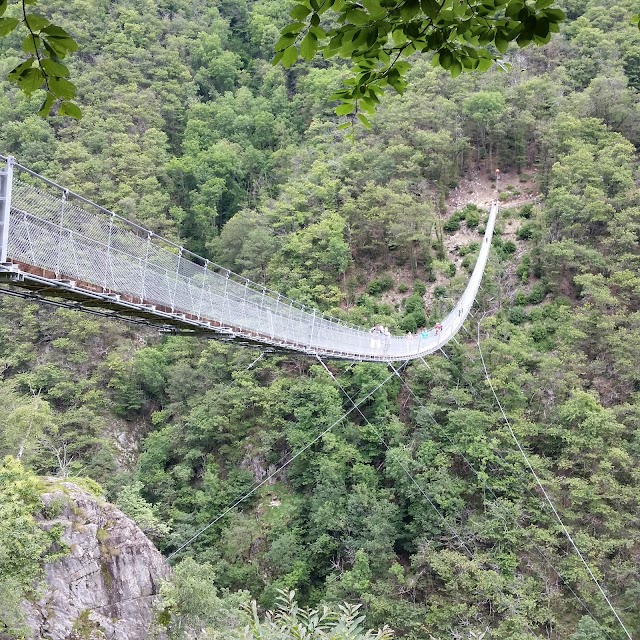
point(58, 246)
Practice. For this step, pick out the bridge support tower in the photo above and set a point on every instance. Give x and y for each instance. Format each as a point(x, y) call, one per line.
point(6, 180)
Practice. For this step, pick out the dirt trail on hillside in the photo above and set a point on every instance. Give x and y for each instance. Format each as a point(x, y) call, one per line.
point(477, 188)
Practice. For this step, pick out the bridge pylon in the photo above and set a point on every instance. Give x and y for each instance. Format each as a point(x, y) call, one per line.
point(6, 182)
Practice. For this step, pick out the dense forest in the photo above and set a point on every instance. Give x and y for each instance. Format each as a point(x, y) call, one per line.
point(420, 508)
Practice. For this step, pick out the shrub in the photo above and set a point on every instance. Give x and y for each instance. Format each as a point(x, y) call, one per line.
point(473, 219)
point(440, 291)
point(408, 323)
point(537, 294)
point(403, 288)
point(520, 299)
point(509, 247)
point(517, 315)
point(419, 288)
point(524, 268)
point(380, 284)
point(526, 231)
point(526, 211)
point(414, 303)
point(538, 332)
point(451, 225)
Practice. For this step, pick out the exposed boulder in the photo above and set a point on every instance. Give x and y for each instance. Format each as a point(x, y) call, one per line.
point(105, 587)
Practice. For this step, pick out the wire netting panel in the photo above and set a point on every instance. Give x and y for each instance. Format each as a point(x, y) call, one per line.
point(58, 231)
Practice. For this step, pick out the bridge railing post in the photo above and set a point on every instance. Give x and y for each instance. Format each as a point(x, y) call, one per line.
point(177, 278)
point(203, 285)
point(6, 183)
point(143, 293)
point(65, 195)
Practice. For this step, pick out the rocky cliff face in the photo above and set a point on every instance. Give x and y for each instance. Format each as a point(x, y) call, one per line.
point(106, 586)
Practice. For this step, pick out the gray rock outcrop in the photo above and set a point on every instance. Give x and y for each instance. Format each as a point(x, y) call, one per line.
point(105, 587)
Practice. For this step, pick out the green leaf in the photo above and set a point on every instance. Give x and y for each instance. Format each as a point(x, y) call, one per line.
point(513, 9)
point(289, 56)
point(15, 74)
point(364, 120)
point(357, 16)
point(294, 27)
point(36, 22)
point(62, 88)
point(345, 109)
point(70, 109)
point(3, 6)
point(446, 58)
point(7, 25)
point(501, 44)
point(285, 41)
point(52, 68)
point(455, 69)
point(555, 15)
point(31, 80)
point(31, 44)
point(344, 125)
point(309, 46)
point(45, 109)
point(60, 46)
point(319, 32)
point(300, 12)
point(430, 8)
point(485, 64)
point(277, 58)
point(56, 31)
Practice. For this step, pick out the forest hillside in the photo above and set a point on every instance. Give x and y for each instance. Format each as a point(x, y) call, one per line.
point(420, 508)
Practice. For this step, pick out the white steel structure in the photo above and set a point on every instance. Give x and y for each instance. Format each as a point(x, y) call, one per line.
point(55, 244)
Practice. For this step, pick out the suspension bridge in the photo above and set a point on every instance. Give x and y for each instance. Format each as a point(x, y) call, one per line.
point(57, 246)
point(61, 248)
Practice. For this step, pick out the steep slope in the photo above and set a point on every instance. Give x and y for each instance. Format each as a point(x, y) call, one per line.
point(106, 586)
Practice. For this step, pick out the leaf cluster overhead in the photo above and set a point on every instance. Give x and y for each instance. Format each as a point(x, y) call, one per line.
point(46, 46)
point(380, 35)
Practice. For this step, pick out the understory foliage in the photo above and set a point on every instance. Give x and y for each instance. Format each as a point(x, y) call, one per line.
point(25, 546)
point(419, 509)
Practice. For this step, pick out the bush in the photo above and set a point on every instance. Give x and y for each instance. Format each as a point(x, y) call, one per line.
point(290, 621)
point(452, 224)
point(440, 291)
point(520, 299)
point(538, 332)
point(380, 285)
point(537, 294)
point(526, 231)
point(524, 268)
point(414, 303)
point(517, 315)
point(403, 288)
point(526, 211)
point(419, 288)
point(509, 247)
point(473, 219)
point(452, 269)
point(412, 321)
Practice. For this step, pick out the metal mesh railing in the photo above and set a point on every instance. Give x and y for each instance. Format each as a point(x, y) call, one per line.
point(71, 238)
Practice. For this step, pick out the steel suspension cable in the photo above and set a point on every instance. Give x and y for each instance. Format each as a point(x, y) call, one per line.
point(276, 472)
point(470, 465)
point(566, 531)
